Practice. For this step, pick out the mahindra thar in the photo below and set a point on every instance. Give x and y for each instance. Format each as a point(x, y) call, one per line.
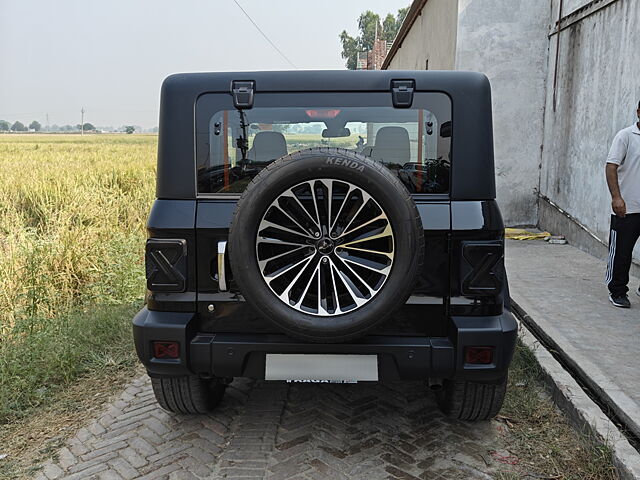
point(326, 226)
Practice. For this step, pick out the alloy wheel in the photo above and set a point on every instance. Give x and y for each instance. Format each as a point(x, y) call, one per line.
point(325, 247)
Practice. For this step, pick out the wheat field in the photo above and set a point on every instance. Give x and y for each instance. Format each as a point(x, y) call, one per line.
point(72, 228)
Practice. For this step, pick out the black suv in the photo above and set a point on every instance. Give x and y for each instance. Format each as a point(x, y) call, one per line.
point(329, 226)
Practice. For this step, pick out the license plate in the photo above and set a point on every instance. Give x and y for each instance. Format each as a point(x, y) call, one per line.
point(321, 368)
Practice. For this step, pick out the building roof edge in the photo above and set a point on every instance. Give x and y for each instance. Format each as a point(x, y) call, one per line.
point(414, 12)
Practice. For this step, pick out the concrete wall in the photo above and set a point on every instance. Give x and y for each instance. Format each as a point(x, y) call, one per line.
point(507, 40)
point(598, 89)
point(432, 37)
point(569, 6)
point(558, 150)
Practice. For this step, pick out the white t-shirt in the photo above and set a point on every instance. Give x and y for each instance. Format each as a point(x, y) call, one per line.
point(625, 152)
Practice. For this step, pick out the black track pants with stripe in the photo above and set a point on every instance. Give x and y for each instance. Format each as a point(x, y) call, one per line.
point(622, 238)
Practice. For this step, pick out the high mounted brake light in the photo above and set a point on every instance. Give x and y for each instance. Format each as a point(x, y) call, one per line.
point(322, 114)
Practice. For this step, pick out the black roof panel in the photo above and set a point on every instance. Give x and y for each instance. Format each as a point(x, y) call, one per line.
point(472, 137)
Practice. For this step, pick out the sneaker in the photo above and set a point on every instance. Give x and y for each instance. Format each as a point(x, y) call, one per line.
point(621, 301)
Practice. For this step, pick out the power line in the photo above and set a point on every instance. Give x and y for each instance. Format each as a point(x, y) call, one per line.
point(265, 35)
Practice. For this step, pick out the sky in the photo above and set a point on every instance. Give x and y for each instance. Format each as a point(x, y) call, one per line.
point(110, 57)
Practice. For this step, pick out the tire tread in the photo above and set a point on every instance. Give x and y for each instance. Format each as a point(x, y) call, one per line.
point(472, 401)
point(188, 394)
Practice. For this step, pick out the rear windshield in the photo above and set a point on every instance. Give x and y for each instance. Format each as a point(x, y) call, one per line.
point(413, 143)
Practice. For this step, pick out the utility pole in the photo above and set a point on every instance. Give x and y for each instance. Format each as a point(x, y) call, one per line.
point(373, 50)
point(82, 121)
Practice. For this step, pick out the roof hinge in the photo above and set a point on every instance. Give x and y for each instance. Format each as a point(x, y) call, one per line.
point(402, 93)
point(242, 91)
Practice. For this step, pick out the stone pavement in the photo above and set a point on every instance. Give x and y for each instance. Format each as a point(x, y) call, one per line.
point(562, 289)
point(276, 431)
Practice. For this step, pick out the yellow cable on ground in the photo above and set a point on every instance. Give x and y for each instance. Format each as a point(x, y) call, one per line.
point(522, 234)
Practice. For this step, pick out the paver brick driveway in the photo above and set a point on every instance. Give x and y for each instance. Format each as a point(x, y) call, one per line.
point(282, 431)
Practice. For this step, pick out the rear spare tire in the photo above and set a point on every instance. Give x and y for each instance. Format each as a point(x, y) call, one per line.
point(326, 244)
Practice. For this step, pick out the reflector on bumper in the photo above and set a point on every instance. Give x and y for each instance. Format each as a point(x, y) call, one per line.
point(166, 349)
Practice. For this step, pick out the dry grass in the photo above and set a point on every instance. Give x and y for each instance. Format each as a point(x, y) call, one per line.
point(72, 211)
point(72, 217)
point(72, 227)
point(538, 439)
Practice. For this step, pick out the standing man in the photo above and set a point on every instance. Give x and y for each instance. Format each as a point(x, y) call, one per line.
point(623, 179)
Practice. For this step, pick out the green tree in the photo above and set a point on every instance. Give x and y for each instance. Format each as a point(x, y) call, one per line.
point(391, 25)
point(369, 26)
point(18, 127)
point(350, 49)
point(35, 125)
point(4, 126)
point(129, 129)
point(402, 14)
point(389, 28)
point(88, 127)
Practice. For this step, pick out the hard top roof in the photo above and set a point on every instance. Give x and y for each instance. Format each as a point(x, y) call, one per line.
point(472, 175)
point(452, 82)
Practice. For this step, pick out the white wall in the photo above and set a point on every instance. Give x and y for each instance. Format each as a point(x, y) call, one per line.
point(432, 37)
point(562, 152)
point(597, 95)
point(507, 41)
point(569, 6)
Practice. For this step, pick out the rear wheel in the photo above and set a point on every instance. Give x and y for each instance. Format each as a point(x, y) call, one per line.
point(471, 401)
point(188, 394)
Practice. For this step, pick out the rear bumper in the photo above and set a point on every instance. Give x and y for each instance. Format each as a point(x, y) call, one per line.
point(399, 357)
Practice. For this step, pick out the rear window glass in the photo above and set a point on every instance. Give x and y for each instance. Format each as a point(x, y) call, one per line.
point(413, 143)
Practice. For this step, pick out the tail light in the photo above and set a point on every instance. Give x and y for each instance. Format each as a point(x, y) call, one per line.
point(166, 264)
point(481, 268)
